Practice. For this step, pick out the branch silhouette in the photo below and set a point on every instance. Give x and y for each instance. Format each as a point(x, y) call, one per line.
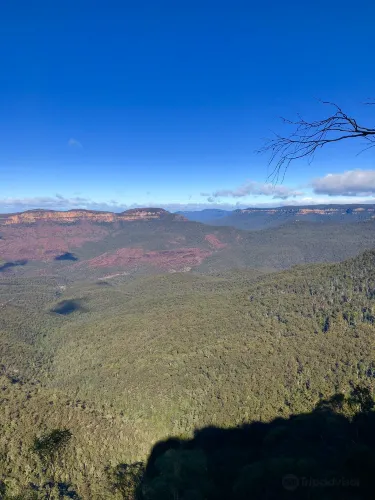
point(308, 137)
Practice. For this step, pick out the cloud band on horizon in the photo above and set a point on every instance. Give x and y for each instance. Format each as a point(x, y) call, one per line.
point(254, 188)
point(350, 183)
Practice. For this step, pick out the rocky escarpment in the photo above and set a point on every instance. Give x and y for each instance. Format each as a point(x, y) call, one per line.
point(83, 238)
point(72, 216)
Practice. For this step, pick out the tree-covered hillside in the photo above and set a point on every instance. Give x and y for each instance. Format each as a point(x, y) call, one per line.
point(125, 363)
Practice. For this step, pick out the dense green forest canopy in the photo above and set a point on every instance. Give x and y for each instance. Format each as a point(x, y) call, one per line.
point(141, 359)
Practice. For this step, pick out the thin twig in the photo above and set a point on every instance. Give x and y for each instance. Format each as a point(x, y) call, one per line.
point(308, 137)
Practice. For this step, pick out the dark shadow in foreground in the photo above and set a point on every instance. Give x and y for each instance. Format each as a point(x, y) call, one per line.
point(326, 454)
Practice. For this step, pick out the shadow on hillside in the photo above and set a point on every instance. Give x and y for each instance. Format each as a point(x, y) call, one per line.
point(66, 307)
point(15, 263)
point(103, 283)
point(326, 454)
point(66, 256)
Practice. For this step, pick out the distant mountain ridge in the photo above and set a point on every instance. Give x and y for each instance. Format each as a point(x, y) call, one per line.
point(83, 243)
point(253, 218)
point(70, 216)
point(206, 215)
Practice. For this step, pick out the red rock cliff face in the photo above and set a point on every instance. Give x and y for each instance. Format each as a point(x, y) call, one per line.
point(71, 216)
point(214, 241)
point(44, 234)
point(165, 260)
point(46, 240)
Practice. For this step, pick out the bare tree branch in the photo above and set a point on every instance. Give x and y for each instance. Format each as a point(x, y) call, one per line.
point(308, 137)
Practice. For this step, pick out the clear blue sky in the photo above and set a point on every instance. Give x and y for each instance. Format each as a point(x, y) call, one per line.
point(121, 103)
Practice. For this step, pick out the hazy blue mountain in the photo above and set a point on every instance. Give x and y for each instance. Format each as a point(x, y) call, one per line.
point(207, 215)
point(261, 218)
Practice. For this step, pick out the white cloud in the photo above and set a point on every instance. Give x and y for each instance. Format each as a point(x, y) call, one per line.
point(350, 183)
point(73, 143)
point(57, 202)
point(256, 189)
